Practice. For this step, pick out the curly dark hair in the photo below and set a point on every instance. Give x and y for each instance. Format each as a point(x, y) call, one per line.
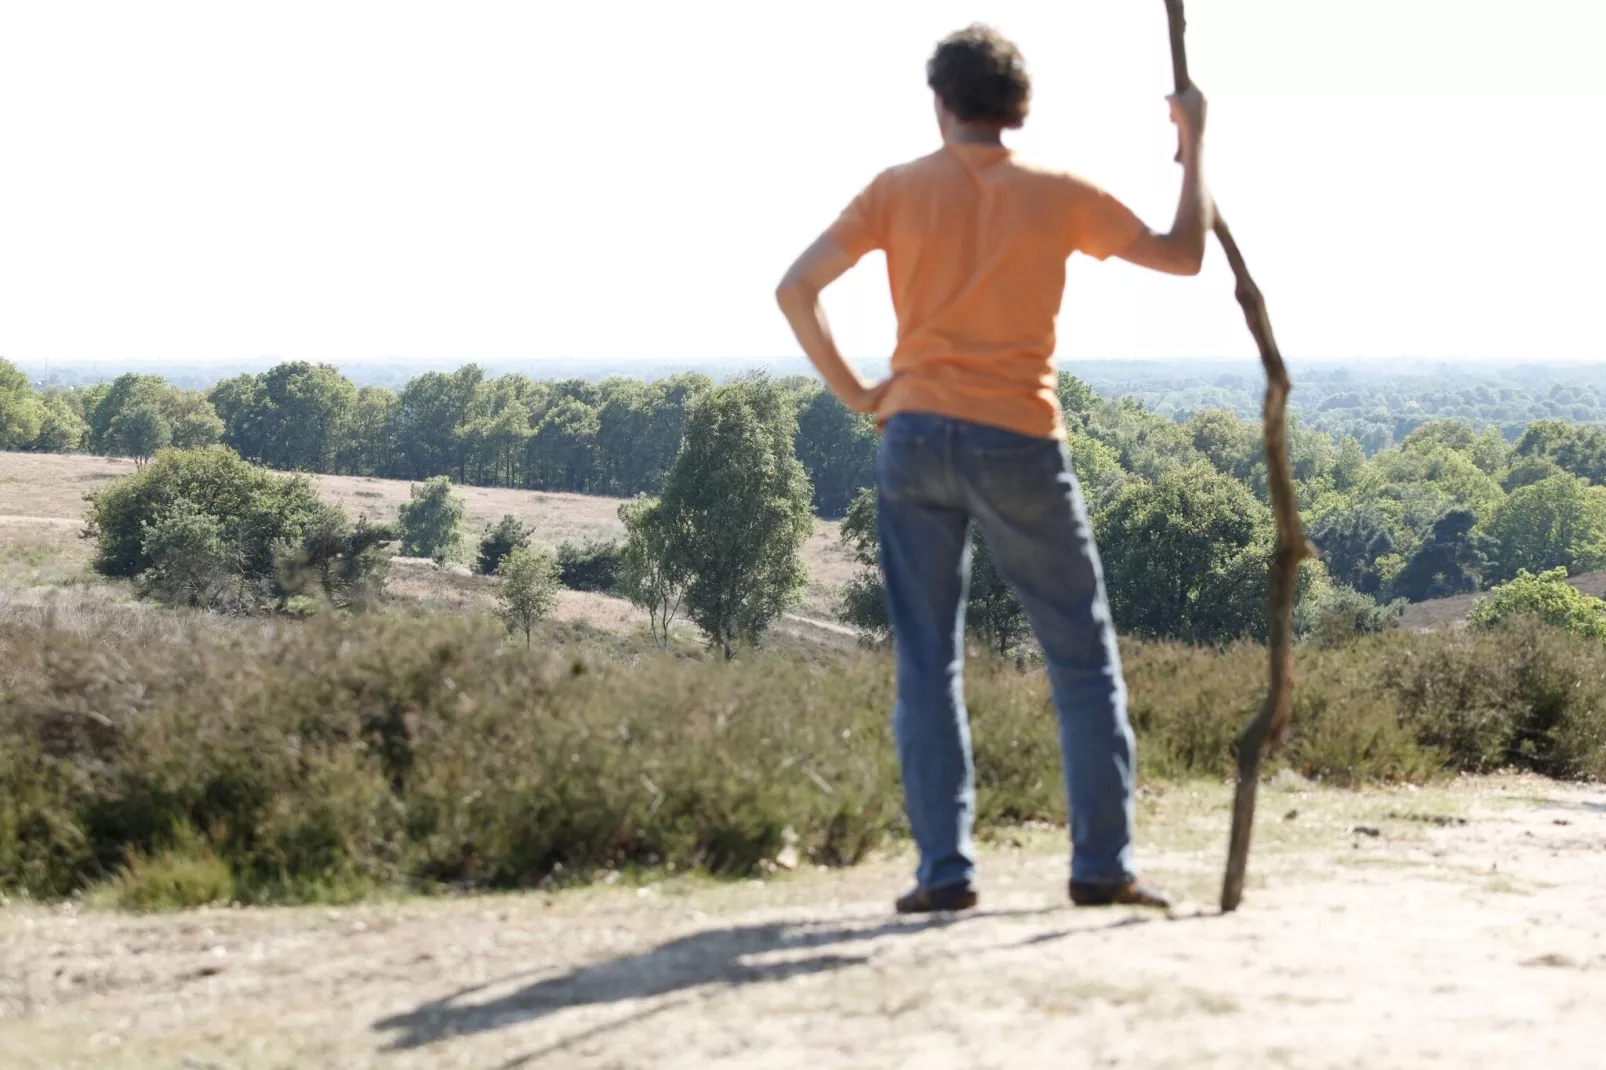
point(980, 76)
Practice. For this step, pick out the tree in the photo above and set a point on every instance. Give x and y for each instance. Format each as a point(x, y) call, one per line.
point(562, 452)
point(432, 520)
point(1349, 465)
point(508, 535)
point(647, 575)
point(1557, 522)
point(736, 508)
point(117, 423)
point(291, 417)
point(992, 612)
point(1547, 596)
point(1453, 560)
point(22, 413)
point(837, 449)
point(193, 423)
point(1352, 541)
point(1185, 557)
point(528, 591)
point(62, 430)
point(139, 431)
point(864, 604)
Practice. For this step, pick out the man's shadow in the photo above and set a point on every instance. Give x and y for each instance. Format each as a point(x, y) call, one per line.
point(711, 957)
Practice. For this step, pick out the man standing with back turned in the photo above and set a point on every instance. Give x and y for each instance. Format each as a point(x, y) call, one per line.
point(976, 244)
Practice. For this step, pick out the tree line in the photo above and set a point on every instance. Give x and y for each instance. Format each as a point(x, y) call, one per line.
point(1179, 505)
point(618, 437)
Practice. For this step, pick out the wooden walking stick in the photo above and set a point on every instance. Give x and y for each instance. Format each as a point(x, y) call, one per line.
point(1266, 730)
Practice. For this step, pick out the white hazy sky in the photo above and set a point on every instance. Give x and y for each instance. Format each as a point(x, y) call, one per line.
point(515, 181)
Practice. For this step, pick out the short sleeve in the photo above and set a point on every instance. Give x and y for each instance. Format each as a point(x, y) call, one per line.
point(861, 228)
point(1100, 225)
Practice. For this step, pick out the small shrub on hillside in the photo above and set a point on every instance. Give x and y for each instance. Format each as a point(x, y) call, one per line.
point(529, 589)
point(432, 520)
point(1340, 614)
point(499, 540)
point(335, 562)
point(1547, 596)
point(592, 565)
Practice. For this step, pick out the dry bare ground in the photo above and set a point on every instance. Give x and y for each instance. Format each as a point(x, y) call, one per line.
point(1462, 925)
point(42, 507)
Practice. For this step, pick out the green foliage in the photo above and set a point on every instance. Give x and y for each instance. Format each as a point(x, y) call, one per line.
point(528, 591)
point(432, 520)
point(993, 612)
point(590, 565)
point(1186, 557)
point(864, 605)
point(335, 562)
point(1453, 560)
point(1339, 614)
point(736, 513)
point(1352, 541)
point(1547, 596)
point(136, 415)
point(62, 429)
point(293, 417)
point(182, 874)
point(258, 510)
point(1555, 523)
point(836, 446)
point(192, 563)
point(649, 574)
point(139, 431)
point(499, 540)
point(317, 760)
point(22, 413)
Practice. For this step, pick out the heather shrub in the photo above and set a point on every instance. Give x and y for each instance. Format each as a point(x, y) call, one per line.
point(324, 759)
point(590, 565)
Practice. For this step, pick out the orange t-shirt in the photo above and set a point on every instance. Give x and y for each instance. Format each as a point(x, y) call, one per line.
point(976, 244)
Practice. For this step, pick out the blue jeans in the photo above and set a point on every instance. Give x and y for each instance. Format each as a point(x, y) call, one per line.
point(934, 475)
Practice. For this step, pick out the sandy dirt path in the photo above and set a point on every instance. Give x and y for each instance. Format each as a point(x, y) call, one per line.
point(1456, 926)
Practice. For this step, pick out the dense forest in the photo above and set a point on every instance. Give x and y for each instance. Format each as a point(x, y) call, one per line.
point(1438, 493)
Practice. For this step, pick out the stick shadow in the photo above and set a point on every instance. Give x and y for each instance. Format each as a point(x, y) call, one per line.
point(710, 957)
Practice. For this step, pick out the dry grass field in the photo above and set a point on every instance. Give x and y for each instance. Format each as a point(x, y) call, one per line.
point(42, 509)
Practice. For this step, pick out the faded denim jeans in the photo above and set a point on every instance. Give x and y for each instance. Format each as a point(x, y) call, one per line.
point(934, 475)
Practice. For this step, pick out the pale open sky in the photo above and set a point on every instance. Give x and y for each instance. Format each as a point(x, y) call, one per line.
point(440, 182)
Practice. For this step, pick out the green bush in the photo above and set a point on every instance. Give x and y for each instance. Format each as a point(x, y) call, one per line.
point(320, 760)
point(1547, 596)
point(203, 528)
point(184, 874)
point(499, 540)
point(592, 565)
point(528, 591)
point(257, 509)
point(432, 520)
point(1340, 614)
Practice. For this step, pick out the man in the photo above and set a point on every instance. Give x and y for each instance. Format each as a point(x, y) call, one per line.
point(976, 243)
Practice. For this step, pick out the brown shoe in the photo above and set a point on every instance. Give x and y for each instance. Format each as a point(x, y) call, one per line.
point(1130, 894)
point(937, 900)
